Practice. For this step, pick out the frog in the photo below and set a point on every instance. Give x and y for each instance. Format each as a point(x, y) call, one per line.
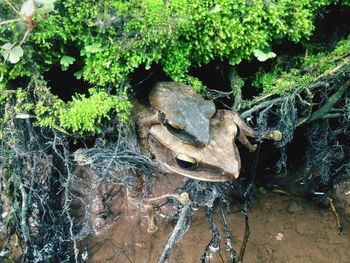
point(170, 135)
point(187, 135)
point(187, 138)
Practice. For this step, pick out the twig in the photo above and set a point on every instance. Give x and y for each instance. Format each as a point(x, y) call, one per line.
point(330, 103)
point(67, 200)
point(261, 98)
point(260, 106)
point(10, 21)
point(25, 36)
point(24, 210)
point(336, 215)
point(180, 229)
point(214, 244)
point(331, 71)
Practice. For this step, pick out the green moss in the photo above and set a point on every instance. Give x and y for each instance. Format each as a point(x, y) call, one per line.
point(110, 39)
point(306, 70)
point(86, 114)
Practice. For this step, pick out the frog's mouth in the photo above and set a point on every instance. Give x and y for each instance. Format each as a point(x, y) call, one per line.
point(170, 153)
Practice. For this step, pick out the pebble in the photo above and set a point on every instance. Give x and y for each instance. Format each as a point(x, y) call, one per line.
point(293, 208)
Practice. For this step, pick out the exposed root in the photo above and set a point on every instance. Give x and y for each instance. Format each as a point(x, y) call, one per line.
point(336, 216)
point(245, 240)
point(181, 227)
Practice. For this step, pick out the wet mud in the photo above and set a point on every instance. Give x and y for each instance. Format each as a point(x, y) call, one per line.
point(283, 229)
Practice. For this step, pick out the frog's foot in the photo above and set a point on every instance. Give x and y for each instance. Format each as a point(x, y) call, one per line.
point(274, 135)
point(183, 199)
point(152, 227)
point(242, 137)
point(244, 131)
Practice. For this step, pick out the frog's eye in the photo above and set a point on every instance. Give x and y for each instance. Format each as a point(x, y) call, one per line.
point(185, 161)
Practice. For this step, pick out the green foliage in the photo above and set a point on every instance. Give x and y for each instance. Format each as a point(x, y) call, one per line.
point(86, 114)
point(109, 39)
point(115, 37)
point(304, 71)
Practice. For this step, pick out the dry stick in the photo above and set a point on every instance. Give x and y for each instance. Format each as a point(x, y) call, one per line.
point(10, 21)
point(323, 111)
point(228, 237)
point(336, 215)
point(260, 106)
point(331, 71)
point(25, 36)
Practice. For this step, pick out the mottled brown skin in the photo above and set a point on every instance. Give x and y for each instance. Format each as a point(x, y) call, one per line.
point(179, 110)
point(217, 158)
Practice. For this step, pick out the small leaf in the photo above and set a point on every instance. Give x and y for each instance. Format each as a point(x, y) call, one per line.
point(5, 54)
point(78, 74)
point(13, 58)
point(94, 48)
point(12, 53)
point(17, 51)
point(262, 56)
point(147, 66)
point(8, 46)
point(66, 61)
point(234, 61)
point(28, 8)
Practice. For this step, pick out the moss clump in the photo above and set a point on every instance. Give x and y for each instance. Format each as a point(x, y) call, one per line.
point(305, 70)
point(112, 38)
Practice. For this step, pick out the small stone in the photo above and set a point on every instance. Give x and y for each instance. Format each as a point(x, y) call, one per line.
point(279, 236)
point(293, 208)
point(140, 245)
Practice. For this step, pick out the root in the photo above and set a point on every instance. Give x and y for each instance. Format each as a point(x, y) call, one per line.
point(245, 240)
point(181, 227)
point(336, 216)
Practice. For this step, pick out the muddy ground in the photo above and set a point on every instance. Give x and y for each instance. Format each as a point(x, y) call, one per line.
point(284, 229)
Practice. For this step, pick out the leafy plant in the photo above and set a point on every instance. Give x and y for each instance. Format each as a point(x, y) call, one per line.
point(112, 38)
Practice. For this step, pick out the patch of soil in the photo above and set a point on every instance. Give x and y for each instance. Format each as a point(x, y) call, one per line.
point(283, 229)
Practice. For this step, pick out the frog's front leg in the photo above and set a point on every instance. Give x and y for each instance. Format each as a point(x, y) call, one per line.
point(149, 204)
point(244, 130)
point(143, 125)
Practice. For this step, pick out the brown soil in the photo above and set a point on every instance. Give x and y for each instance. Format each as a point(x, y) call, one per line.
point(283, 229)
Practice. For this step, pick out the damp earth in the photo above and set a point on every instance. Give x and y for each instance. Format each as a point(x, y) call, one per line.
point(284, 228)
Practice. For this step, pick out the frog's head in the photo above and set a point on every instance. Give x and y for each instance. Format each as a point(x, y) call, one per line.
point(182, 112)
point(217, 161)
